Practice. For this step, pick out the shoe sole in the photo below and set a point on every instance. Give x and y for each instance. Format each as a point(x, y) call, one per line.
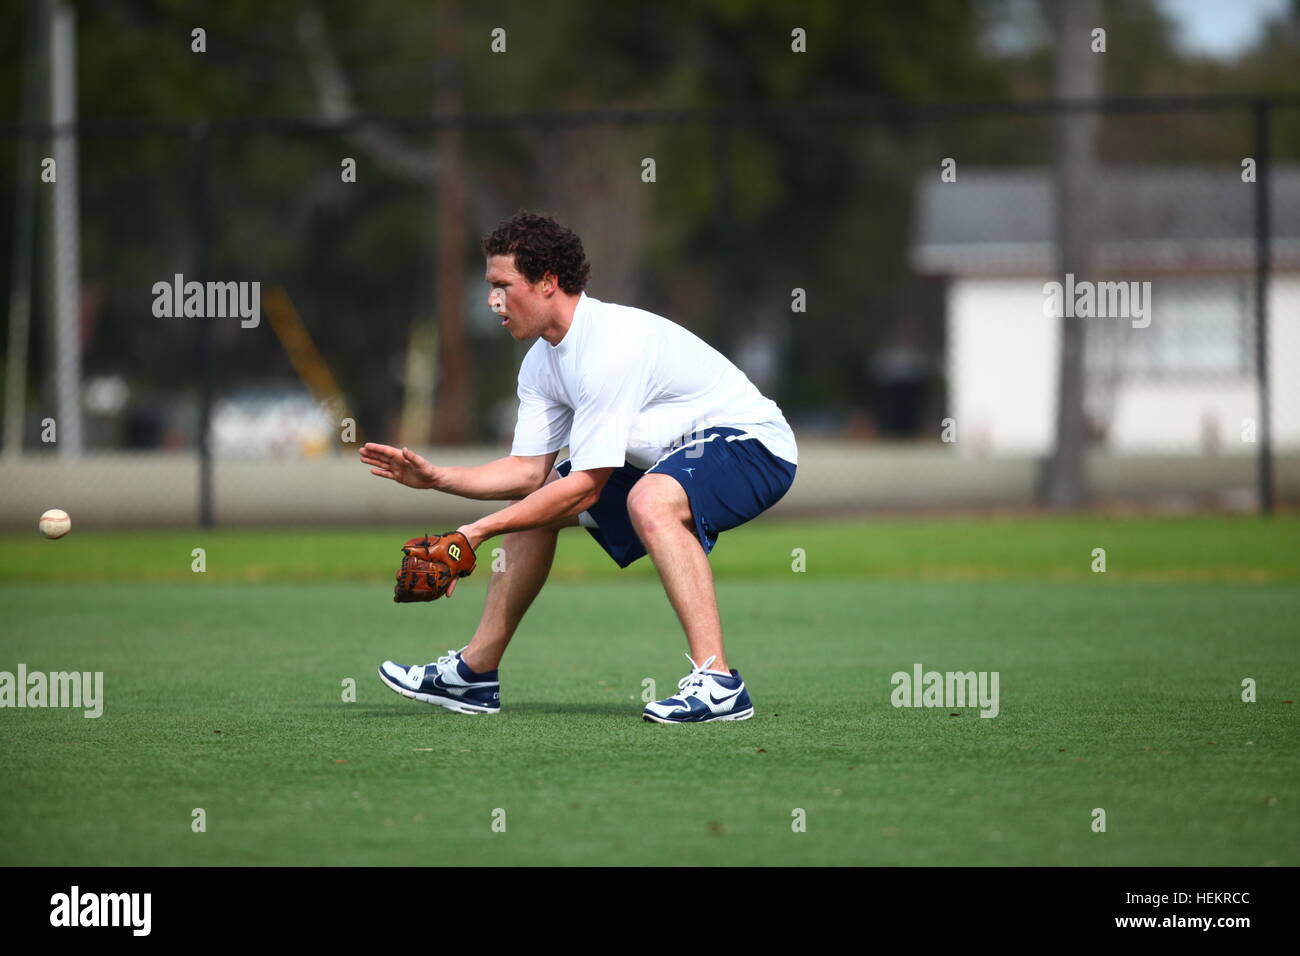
point(740, 715)
point(451, 703)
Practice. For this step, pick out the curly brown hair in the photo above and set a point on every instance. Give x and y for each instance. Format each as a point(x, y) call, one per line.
point(541, 245)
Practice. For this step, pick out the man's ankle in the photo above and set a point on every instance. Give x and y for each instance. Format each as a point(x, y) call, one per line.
point(475, 663)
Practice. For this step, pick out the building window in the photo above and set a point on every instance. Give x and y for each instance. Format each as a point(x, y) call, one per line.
point(1200, 328)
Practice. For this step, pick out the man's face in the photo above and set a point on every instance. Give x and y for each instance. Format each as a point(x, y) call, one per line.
point(521, 305)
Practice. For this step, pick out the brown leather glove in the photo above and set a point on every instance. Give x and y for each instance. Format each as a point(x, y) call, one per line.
point(432, 565)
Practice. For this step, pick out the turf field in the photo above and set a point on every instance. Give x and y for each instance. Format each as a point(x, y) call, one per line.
point(1118, 690)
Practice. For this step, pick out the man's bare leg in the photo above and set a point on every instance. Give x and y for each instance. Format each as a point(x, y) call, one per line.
point(528, 557)
point(661, 515)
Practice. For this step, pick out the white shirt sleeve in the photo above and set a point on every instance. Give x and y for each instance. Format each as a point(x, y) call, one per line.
point(609, 401)
point(543, 425)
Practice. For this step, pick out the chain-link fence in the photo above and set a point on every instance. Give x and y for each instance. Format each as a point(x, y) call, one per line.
point(258, 298)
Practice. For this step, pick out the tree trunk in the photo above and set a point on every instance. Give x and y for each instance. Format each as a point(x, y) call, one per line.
point(1077, 77)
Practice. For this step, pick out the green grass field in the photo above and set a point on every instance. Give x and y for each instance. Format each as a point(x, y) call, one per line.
point(1119, 691)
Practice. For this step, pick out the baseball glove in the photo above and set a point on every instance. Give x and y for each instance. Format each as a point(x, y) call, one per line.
point(432, 565)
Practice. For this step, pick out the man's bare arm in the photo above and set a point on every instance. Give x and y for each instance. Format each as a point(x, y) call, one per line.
point(570, 495)
point(514, 476)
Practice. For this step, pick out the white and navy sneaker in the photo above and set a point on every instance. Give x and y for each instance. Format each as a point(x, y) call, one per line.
point(447, 682)
point(703, 695)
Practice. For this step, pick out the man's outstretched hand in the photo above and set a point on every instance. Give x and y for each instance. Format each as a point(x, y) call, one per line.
point(400, 464)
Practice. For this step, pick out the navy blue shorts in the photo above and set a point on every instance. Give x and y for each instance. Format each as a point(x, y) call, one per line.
point(727, 480)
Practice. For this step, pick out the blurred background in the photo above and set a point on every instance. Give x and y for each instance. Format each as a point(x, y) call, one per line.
point(860, 204)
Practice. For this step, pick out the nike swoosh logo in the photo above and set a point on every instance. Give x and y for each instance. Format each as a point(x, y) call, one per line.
point(454, 690)
point(723, 700)
point(459, 690)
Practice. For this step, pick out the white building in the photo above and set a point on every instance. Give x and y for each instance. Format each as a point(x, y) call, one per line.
point(1183, 384)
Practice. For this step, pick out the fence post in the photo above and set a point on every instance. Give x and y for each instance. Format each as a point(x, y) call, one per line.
point(64, 233)
point(1262, 273)
point(201, 136)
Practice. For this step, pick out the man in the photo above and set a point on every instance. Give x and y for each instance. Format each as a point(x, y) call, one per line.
point(669, 445)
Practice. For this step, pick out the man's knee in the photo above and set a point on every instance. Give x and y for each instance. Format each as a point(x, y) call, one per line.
point(658, 499)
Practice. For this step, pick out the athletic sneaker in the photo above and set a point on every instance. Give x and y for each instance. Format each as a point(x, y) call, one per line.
point(703, 695)
point(447, 682)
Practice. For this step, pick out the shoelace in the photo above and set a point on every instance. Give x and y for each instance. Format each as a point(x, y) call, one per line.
point(696, 677)
point(416, 673)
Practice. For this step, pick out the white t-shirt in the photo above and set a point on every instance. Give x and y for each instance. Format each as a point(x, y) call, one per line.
point(628, 386)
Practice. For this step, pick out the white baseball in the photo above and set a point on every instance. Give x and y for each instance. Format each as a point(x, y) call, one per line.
point(55, 523)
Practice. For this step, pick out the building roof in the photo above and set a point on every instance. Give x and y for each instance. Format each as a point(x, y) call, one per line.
point(1152, 218)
